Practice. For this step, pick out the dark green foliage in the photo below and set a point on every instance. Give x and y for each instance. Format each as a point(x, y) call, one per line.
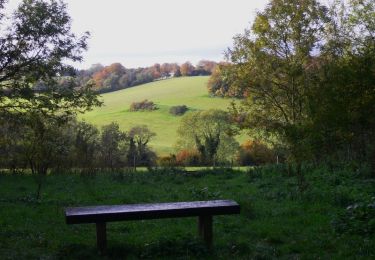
point(305, 71)
point(358, 218)
point(143, 105)
point(35, 43)
point(178, 110)
point(59, 144)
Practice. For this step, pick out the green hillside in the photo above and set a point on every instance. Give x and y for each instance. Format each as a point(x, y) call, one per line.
point(189, 91)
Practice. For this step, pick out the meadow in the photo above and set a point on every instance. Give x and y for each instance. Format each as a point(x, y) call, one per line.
point(189, 91)
point(277, 220)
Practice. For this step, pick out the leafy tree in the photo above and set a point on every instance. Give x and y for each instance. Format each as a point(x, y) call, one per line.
point(139, 152)
point(178, 73)
point(186, 69)
point(86, 145)
point(156, 71)
point(207, 66)
point(34, 44)
point(47, 143)
point(11, 145)
point(221, 80)
point(205, 131)
point(113, 146)
point(270, 61)
point(342, 98)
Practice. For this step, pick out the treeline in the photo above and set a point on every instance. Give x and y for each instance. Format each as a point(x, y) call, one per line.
point(305, 72)
point(43, 143)
point(116, 77)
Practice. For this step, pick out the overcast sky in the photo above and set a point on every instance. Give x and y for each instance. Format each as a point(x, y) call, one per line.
point(143, 32)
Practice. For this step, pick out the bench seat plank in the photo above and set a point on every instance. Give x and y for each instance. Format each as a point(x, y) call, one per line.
point(95, 214)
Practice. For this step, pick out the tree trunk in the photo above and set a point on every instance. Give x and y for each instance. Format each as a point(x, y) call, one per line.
point(302, 184)
point(38, 191)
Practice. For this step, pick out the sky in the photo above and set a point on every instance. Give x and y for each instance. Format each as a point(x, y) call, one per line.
point(139, 33)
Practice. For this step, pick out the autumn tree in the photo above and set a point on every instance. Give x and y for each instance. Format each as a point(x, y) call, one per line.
point(206, 65)
point(221, 82)
point(186, 69)
point(156, 71)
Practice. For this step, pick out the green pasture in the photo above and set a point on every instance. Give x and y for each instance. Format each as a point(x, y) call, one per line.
point(189, 91)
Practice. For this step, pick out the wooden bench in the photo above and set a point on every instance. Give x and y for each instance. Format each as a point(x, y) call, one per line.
point(102, 214)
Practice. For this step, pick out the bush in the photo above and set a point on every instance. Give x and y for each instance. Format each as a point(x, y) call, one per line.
point(188, 158)
point(167, 161)
point(358, 218)
point(178, 110)
point(253, 152)
point(143, 105)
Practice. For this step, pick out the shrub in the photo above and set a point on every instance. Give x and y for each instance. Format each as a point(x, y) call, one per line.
point(143, 105)
point(253, 152)
point(167, 161)
point(358, 218)
point(178, 110)
point(188, 158)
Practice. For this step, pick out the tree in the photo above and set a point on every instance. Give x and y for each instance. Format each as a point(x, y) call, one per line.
point(178, 73)
point(156, 71)
point(270, 62)
point(113, 146)
point(186, 69)
point(205, 131)
point(221, 80)
point(33, 48)
point(342, 99)
point(139, 152)
point(86, 145)
point(46, 143)
point(207, 66)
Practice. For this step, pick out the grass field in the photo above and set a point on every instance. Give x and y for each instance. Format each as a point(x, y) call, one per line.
point(277, 221)
point(189, 91)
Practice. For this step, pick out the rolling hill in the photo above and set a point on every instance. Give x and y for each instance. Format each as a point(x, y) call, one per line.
point(189, 91)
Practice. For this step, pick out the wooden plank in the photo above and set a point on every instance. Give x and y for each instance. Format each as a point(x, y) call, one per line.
point(150, 211)
point(101, 236)
point(205, 229)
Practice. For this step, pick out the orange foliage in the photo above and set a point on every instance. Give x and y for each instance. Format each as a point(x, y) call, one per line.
point(255, 152)
point(186, 68)
point(187, 157)
point(101, 75)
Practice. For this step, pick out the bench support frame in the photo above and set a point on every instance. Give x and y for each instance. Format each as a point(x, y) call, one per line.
point(101, 236)
point(204, 232)
point(205, 229)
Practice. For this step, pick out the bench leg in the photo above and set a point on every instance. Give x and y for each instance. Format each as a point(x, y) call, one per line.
point(205, 229)
point(101, 236)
